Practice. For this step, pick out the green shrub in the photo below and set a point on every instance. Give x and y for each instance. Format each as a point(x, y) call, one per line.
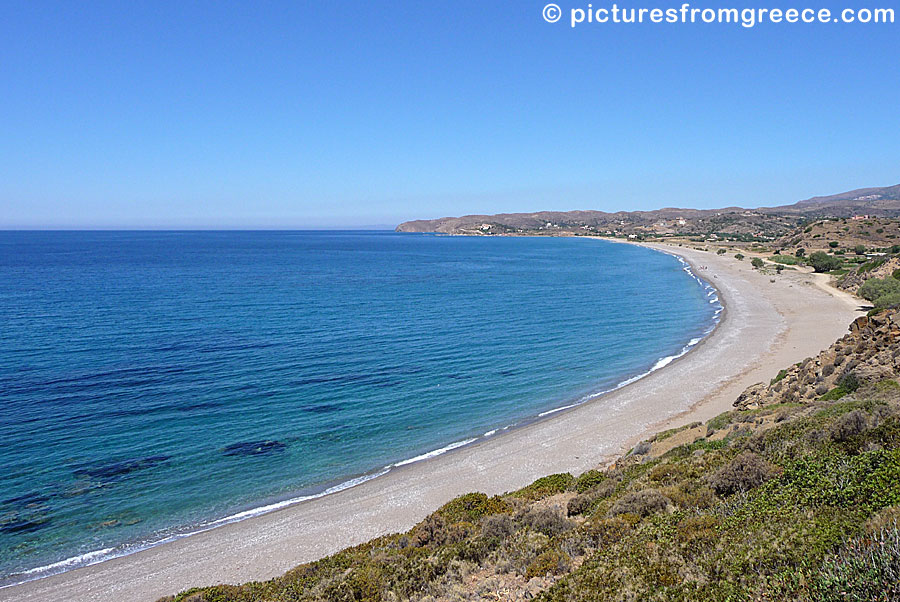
point(471, 507)
point(891, 301)
point(835, 394)
point(850, 382)
point(866, 569)
point(551, 562)
point(589, 480)
point(875, 288)
point(739, 256)
point(823, 262)
point(757, 263)
point(847, 384)
point(546, 486)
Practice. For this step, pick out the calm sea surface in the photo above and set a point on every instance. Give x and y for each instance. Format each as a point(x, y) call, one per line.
point(152, 383)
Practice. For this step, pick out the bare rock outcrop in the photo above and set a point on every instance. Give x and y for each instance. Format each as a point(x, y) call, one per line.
point(869, 353)
point(852, 281)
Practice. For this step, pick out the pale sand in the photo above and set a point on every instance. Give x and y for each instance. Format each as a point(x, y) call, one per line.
point(766, 326)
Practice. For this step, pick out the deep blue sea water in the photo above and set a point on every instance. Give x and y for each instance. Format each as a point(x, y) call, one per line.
point(154, 382)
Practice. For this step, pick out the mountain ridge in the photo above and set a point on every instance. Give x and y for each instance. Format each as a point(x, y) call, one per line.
point(876, 201)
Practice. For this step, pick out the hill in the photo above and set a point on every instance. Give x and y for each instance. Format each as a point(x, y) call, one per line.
point(844, 233)
point(882, 202)
point(734, 223)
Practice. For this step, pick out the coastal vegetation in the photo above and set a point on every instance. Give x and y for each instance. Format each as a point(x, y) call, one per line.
point(823, 262)
point(787, 259)
point(884, 293)
point(793, 495)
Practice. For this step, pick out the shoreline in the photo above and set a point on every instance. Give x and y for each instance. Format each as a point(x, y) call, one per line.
point(400, 498)
point(336, 485)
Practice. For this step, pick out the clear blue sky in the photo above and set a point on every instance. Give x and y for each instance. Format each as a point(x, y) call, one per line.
point(343, 113)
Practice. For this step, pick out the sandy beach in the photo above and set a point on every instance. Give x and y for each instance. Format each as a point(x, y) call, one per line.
point(770, 322)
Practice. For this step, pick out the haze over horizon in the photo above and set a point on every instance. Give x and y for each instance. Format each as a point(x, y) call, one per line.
point(364, 114)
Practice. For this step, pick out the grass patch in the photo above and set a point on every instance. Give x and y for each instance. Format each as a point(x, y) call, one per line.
point(786, 259)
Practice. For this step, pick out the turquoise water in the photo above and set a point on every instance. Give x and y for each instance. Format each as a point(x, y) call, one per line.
point(152, 383)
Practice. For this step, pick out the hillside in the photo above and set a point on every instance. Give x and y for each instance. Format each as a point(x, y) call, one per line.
point(883, 202)
point(794, 495)
point(848, 233)
point(736, 223)
point(733, 223)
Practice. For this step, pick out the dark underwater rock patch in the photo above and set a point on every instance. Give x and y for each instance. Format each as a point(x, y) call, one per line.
point(254, 448)
point(28, 499)
point(113, 471)
point(23, 525)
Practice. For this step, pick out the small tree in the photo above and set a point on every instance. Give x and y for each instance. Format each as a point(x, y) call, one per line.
point(739, 257)
point(800, 252)
point(757, 263)
point(859, 249)
point(823, 262)
point(833, 244)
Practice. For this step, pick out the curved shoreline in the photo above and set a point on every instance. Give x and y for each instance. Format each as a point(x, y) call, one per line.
point(572, 440)
point(98, 556)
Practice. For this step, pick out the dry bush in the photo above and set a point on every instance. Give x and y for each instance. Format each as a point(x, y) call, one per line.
point(548, 521)
point(642, 448)
point(498, 525)
point(746, 471)
point(640, 503)
point(849, 425)
point(580, 504)
point(435, 531)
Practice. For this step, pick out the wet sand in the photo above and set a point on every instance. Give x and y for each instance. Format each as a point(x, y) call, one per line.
point(766, 326)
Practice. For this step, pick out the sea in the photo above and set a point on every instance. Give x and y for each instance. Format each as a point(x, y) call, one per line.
point(157, 384)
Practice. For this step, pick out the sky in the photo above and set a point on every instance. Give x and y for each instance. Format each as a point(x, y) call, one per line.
point(301, 114)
